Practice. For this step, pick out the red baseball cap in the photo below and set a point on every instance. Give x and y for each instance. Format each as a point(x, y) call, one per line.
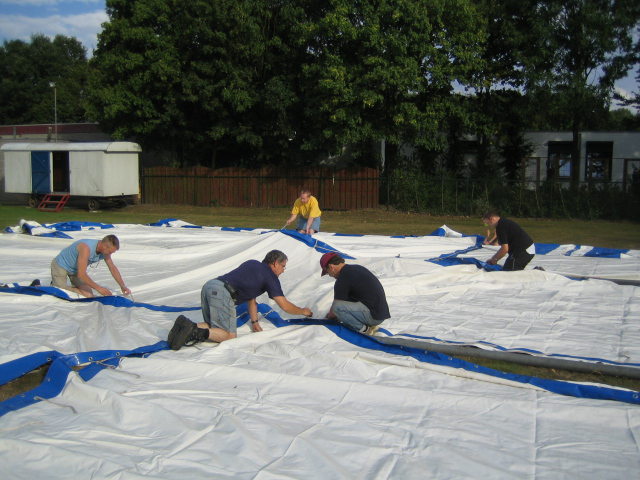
point(324, 260)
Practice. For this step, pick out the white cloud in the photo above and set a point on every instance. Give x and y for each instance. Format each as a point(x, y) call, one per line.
point(624, 94)
point(85, 27)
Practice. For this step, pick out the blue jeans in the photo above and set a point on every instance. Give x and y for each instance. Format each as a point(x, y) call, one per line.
point(354, 315)
point(302, 224)
point(218, 308)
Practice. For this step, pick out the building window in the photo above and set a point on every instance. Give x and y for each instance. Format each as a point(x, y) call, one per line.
point(559, 161)
point(599, 155)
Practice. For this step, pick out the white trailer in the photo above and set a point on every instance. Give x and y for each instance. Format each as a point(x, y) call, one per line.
point(92, 172)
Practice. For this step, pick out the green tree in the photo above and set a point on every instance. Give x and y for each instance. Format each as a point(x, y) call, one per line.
point(27, 71)
point(279, 81)
point(201, 79)
point(592, 46)
point(385, 68)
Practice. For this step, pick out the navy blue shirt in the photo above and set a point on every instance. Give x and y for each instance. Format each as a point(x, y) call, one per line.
point(357, 284)
point(251, 279)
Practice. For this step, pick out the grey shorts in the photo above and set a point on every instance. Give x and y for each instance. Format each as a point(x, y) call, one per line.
point(59, 276)
point(218, 308)
point(302, 223)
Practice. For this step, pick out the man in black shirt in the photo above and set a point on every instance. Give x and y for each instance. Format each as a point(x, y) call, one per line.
point(359, 299)
point(513, 241)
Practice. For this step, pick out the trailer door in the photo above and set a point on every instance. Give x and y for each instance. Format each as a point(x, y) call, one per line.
point(40, 172)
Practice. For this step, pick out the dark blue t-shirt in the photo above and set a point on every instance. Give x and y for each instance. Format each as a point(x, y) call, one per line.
point(357, 284)
point(251, 279)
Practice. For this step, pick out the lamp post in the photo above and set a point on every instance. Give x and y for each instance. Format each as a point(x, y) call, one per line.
point(55, 108)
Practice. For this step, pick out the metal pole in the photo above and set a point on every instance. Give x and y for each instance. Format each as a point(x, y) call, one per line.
point(519, 358)
point(55, 108)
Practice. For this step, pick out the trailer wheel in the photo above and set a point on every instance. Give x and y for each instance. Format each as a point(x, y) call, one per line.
point(93, 204)
point(34, 202)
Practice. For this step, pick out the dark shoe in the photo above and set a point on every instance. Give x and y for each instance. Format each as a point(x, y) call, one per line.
point(175, 329)
point(539, 268)
point(183, 334)
point(35, 283)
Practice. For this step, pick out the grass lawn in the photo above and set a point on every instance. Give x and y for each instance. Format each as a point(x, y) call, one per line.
point(625, 235)
point(374, 222)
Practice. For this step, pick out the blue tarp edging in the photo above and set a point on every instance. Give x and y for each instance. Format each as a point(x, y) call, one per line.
point(61, 365)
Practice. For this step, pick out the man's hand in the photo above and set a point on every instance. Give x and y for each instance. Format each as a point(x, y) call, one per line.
point(255, 326)
point(307, 313)
point(104, 291)
point(125, 290)
point(491, 261)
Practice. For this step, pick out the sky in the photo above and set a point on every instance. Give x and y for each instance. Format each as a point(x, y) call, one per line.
point(83, 19)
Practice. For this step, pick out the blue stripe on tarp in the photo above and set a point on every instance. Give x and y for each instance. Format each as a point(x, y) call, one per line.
point(574, 249)
point(450, 261)
point(605, 252)
point(77, 226)
point(114, 300)
point(312, 242)
point(347, 235)
point(59, 228)
point(16, 368)
point(162, 223)
point(544, 248)
point(236, 229)
point(554, 386)
point(440, 232)
point(61, 367)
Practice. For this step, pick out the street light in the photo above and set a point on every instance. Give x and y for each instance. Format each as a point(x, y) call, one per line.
point(55, 108)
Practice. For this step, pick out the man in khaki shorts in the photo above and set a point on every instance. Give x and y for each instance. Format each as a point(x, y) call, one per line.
point(73, 261)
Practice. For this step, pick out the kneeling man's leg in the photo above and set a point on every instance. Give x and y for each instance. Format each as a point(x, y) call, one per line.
point(218, 311)
point(354, 315)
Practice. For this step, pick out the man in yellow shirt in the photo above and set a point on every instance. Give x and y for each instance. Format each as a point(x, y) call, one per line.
point(307, 207)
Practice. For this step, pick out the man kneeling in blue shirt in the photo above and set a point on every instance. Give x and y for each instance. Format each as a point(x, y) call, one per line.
point(220, 296)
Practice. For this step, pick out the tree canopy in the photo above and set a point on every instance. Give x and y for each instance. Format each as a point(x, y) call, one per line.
point(279, 81)
point(254, 82)
point(27, 71)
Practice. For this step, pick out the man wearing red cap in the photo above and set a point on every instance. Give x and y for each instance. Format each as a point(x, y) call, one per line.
point(359, 299)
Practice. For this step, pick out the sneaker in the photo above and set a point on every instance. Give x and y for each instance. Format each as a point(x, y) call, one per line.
point(370, 330)
point(176, 328)
point(183, 334)
point(539, 268)
point(35, 283)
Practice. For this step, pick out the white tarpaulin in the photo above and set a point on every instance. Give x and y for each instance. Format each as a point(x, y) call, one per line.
point(303, 400)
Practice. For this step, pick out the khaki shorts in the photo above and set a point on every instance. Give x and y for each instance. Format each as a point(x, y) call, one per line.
point(59, 276)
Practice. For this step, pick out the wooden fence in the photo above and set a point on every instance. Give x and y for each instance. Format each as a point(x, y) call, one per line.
point(344, 189)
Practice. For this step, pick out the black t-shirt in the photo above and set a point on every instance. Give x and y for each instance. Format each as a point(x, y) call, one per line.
point(512, 234)
point(357, 284)
point(251, 279)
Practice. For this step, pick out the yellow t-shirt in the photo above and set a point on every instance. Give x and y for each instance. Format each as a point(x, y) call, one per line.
point(309, 209)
